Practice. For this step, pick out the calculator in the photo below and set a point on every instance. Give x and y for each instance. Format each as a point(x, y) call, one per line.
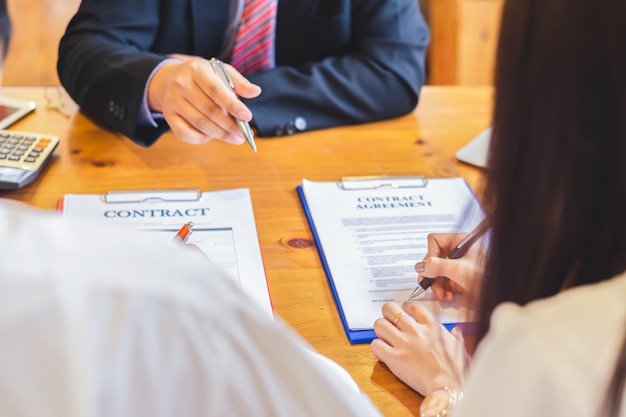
point(22, 156)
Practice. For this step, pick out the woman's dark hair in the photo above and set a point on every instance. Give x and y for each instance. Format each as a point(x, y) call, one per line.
point(556, 182)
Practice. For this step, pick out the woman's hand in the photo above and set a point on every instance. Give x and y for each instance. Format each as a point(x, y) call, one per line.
point(418, 349)
point(457, 278)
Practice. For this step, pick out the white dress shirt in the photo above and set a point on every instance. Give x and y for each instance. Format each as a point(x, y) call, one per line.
point(97, 322)
point(554, 357)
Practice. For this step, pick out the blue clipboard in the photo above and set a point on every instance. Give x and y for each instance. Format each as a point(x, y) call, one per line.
point(354, 336)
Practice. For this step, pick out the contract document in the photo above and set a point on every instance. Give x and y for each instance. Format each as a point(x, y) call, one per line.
point(223, 226)
point(370, 232)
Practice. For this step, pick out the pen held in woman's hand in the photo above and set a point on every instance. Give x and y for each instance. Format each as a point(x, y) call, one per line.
point(457, 252)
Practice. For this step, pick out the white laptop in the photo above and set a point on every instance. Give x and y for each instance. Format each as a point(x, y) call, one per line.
point(475, 152)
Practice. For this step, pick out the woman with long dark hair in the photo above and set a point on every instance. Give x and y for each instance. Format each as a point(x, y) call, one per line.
point(550, 289)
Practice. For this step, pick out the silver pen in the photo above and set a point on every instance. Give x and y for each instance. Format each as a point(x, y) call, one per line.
point(459, 251)
point(218, 67)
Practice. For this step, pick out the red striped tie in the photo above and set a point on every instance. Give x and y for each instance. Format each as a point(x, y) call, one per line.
point(254, 45)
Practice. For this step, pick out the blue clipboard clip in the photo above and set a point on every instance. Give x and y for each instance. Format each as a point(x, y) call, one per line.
point(375, 182)
point(141, 196)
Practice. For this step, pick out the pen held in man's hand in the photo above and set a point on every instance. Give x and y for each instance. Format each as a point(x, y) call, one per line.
point(244, 127)
point(457, 252)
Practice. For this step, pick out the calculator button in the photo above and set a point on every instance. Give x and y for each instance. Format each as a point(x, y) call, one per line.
point(24, 154)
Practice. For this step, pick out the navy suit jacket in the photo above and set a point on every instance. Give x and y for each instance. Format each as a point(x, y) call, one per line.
point(338, 62)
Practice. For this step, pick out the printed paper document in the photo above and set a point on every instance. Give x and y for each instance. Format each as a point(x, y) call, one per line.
point(224, 226)
point(371, 237)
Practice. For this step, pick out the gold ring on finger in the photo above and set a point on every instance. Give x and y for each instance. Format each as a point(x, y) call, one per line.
point(395, 321)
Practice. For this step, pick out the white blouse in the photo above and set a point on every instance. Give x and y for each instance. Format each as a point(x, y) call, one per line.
point(554, 357)
point(97, 322)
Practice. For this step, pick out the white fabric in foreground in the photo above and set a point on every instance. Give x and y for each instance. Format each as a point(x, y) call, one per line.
point(553, 357)
point(98, 322)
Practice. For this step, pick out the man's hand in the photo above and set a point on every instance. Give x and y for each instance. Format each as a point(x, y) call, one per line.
point(196, 104)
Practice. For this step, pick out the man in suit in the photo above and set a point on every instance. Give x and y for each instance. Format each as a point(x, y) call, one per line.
point(141, 67)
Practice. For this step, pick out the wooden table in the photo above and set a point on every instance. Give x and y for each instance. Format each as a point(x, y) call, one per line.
point(92, 160)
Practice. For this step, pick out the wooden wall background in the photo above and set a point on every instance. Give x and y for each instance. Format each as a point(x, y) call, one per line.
point(463, 40)
point(464, 37)
point(37, 28)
